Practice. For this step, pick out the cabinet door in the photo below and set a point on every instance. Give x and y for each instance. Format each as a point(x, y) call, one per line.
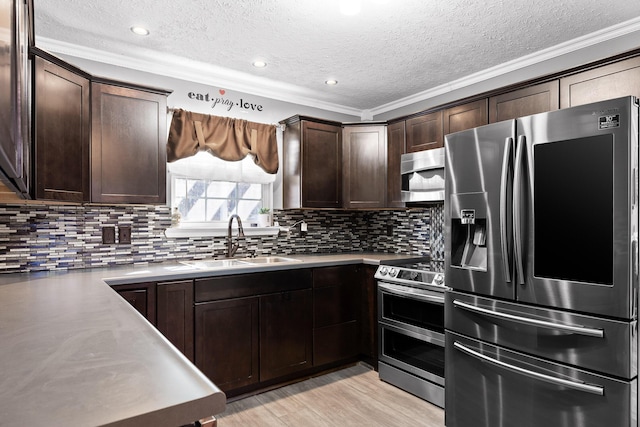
point(227, 342)
point(369, 315)
point(128, 145)
point(536, 99)
point(424, 132)
point(607, 82)
point(285, 333)
point(175, 314)
point(465, 116)
point(142, 296)
point(336, 314)
point(395, 149)
point(321, 165)
point(364, 166)
point(336, 295)
point(62, 133)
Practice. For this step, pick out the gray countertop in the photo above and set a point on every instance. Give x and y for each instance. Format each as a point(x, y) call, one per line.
point(74, 353)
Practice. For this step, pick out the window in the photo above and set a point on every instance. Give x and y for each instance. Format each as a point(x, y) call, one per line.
point(206, 189)
point(200, 200)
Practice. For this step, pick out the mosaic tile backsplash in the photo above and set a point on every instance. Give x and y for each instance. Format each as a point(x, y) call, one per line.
point(59, 237)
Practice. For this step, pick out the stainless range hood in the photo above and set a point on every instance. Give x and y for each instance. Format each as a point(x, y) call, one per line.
point(423, 176)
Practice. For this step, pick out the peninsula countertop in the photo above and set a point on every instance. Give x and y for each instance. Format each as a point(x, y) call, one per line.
point(75, 353)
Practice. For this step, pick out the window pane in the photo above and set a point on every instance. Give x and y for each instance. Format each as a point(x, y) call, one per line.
point(217, 210)
point(196, 212)
point(220, 189)
point(253, 191)
point(248, 208)
point(180, 188)
point(195, 188)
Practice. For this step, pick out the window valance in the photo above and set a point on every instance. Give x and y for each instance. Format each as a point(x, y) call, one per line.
point(227, 138)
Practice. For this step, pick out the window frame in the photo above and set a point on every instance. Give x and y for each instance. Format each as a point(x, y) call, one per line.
point(216, 228)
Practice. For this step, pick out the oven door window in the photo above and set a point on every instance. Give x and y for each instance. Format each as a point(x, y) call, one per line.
point(418, 313)
point(412, 351)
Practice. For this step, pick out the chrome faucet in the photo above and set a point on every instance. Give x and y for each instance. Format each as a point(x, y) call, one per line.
point(232, 248)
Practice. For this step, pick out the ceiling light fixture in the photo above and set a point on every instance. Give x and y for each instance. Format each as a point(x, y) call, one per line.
point(259, 64)
point(350, 7)
point(141, 31)
point(331, 82)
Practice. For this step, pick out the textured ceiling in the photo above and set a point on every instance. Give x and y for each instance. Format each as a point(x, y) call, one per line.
point(388, 52)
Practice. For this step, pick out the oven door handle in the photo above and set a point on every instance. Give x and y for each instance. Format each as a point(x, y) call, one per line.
point(399, 291)
point(580, 386)
point(577, 329)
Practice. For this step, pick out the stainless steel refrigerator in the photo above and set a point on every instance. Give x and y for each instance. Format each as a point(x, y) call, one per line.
point(541, 226)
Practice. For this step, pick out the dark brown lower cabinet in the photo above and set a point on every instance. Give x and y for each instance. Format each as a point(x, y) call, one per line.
point(227, 343)
point(253, 328)
point(174, 312)
point(248, 331)
point(369, 315)
point(285, 333)
point(336, 313)
point(142, 296)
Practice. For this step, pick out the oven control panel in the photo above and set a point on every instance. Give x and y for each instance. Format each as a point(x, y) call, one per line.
point(416, 276)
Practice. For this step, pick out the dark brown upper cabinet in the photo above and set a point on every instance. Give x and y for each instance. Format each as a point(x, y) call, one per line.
point(128, 144)
point(312, 164)
point(424, 132)
point(540, 98)
point(465, 116)
point(364, 166)
point(609, 81)
point(62, 132)
point(395, 149)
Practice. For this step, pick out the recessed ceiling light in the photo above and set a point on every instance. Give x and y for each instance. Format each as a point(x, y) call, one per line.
point(259, 64)
point(331, 82)
point(141, 31)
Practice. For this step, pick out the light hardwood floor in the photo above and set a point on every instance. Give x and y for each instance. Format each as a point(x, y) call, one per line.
point(350, 397)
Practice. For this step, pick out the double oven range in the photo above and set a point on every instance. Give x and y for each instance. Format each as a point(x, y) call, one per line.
point(411, 329)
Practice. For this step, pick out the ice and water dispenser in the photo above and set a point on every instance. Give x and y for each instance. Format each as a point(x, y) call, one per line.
point(469, 231)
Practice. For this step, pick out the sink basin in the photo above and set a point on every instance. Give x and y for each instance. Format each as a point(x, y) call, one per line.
point(269, 260)
point(214, 263)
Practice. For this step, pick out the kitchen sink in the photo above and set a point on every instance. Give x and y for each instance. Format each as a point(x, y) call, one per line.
point(206, 264)
point(214, 263)
point(269, 260)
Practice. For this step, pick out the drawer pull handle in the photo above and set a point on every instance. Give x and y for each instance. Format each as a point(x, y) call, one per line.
point(580, 386)
point(577, 329)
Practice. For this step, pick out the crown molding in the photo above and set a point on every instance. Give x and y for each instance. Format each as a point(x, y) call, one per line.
point(199, 72)
point(605, 35)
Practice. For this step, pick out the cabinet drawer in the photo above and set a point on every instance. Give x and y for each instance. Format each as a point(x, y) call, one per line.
point(334, 276)
point(245, 285)
point(482, 393)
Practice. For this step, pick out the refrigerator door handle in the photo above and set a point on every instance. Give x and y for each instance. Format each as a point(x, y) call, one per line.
point(580, 386)
point(504, 178)
point(576, 329)
point(517, 217)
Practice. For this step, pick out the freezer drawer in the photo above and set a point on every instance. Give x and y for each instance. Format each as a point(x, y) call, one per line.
point(590, 342)
point(490, 386)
